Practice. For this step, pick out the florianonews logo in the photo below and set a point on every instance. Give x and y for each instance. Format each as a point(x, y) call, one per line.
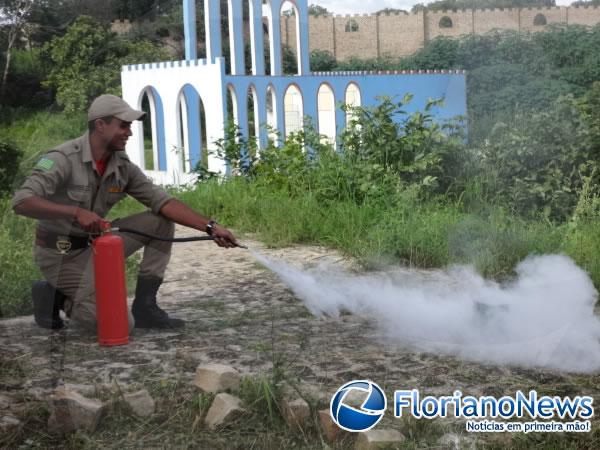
point(363, 418)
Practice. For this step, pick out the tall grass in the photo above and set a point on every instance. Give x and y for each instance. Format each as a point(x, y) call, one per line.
point(425, 234)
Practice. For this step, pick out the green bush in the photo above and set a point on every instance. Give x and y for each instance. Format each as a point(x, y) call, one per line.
point(87, 60)
point(17, 269)
point(536, 164)
point(10, 157)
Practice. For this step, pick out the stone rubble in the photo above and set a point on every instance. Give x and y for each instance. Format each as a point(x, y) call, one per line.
point(71, 411)
point(225, 409)
point(9, 425)
point(141, 403)
point(330, 429)
point(296, 413)
point(379, 439)
point(216, 378)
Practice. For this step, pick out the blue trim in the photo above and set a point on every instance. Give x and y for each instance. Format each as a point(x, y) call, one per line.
point(160, 131)
point(192, 101)
point(451, 87)
point(189, 23)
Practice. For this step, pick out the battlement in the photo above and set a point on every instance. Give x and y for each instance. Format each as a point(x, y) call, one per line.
point(398, 35)
point(450, 11)
point(352, 73)
point(174, 64)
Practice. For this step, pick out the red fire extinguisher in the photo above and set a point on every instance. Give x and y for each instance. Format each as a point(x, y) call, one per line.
point(111, 290)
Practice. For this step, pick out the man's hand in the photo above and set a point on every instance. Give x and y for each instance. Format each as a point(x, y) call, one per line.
point(224, 237)
point(90, 221)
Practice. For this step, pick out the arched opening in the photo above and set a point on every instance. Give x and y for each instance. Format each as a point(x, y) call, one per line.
point(154, 156)
point(191, 123)
point(293, 109)
point(540, 20)
point(326, 114)
point(232, 105)
point(290, 38)
point(445, 22)
point(253, 120)
point(271, 105)
point(352, 99)
point(351, 26)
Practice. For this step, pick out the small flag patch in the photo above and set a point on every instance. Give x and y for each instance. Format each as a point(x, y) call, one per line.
point(45, 164)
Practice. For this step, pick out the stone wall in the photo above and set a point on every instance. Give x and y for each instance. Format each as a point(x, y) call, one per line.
point(401, 34)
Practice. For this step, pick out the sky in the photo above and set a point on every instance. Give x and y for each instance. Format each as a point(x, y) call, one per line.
point(370, 6)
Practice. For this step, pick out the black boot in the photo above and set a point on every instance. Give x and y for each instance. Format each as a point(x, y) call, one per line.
point(145, 311)
point(47, 303)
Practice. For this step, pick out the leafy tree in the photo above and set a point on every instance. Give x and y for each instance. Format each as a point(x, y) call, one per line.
point(10, 156)
point(441, 53)
point(15, 15)
point(322, 61)
point(87, 61)
point(317, 11)
point(390, 11)
point(537, 162)
point(448, 5)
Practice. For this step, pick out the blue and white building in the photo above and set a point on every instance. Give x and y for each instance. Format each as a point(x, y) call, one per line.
point(188, 99)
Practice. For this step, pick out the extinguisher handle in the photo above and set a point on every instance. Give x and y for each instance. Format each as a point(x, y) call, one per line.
point(106, 226)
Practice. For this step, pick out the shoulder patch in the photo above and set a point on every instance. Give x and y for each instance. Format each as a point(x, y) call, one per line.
point(45, 164)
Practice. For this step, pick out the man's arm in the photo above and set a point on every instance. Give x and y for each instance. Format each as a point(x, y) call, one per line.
point(182, 214)
point(39, 208)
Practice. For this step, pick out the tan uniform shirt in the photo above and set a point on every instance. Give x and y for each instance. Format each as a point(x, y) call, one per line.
point(66, 175)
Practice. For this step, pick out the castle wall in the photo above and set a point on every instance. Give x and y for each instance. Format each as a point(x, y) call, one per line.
point(583, 15)
point(485, 20)
point(320, 32)
point(399, 35)
point(362, 43)
point(462, 23)
point(556, 15)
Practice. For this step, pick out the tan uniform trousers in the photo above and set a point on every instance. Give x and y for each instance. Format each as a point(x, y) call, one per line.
point(73, 274)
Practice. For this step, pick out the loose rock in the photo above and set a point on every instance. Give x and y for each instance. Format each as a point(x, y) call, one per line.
point(5, 401)
point(71, 411)
point(141, 403)
point(216, 378)
point(224, 410)
point(330, 429)
point(377, 439)
point(9, 425)
point(296, 412)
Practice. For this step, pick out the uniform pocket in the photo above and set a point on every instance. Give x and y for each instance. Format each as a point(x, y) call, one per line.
point(114, 197)
point(79, 193)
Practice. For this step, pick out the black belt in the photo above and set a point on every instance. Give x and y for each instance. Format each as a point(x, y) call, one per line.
point(63, 243)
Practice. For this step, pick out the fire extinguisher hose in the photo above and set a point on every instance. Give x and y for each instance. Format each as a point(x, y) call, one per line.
point(164, 239)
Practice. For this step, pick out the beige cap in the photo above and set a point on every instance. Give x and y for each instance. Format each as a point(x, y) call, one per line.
point(111, 105)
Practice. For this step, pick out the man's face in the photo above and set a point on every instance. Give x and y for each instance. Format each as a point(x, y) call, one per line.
point(116, 134)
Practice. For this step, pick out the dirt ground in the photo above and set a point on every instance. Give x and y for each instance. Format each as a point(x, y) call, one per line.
point(240, 314)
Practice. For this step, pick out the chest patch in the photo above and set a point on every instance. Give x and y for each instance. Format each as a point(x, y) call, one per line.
point(115, 189)
point(45, 164)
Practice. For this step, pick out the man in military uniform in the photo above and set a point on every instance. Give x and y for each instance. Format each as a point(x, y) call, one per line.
point(70, 191)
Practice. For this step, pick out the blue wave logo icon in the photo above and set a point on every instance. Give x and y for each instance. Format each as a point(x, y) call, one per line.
point(354, 419)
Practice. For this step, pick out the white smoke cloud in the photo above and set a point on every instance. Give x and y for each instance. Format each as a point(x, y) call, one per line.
point(544, 318)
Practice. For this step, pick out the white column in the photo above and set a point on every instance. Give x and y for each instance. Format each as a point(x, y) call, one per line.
point(256, 37)
point(236, 37)
point(275, 36)
point(302, 38)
